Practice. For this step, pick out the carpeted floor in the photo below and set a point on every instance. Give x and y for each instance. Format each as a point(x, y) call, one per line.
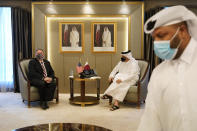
point(15, 114)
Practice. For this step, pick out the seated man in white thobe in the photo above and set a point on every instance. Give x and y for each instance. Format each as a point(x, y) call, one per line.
point(171, 103)
point(125, 74)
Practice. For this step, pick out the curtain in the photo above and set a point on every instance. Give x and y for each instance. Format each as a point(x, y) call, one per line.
point(21, 34)
point(148, 42)
point(6, 62)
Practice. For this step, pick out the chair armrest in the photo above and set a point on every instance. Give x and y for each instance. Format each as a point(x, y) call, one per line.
point(146, 72)
point(56, 81)
point(143, 83)
point(57, 88)
point(23, 84)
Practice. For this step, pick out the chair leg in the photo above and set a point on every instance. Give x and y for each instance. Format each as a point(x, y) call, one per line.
point(138, 104)
point(124, 102)
point(57, 100)
point(28, 104)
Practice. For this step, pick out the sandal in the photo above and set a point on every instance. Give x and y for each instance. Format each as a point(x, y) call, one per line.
point(105, 97)
point(114, 107)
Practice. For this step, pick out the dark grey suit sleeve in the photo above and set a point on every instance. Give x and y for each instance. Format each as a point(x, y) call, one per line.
point(33, 72)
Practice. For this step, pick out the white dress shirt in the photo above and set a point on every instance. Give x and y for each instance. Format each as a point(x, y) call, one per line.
point(171, 103)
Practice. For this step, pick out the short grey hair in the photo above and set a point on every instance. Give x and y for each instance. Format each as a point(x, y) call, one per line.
point(39, 49)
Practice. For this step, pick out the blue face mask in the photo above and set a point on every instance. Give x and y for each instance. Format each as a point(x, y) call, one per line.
point(162, 48)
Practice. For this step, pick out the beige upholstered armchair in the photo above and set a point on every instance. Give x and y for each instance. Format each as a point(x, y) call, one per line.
point(30, 93)
point(137, 94)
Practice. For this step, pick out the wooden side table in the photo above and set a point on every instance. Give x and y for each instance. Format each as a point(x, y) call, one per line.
point(84, 100)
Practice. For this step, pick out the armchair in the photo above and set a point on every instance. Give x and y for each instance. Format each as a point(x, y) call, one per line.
point(138, 92)
point(30, 93)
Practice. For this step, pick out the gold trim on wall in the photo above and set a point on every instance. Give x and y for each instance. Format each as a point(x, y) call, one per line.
point(142, 33)
point(81, 3)
point(33, 42)
point(129, 33)
point(88, 16)
point(45, 30)
point(114, 35)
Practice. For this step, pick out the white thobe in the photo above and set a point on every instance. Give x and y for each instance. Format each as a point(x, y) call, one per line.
point(128, 73)
point(171, 103)
point(74, 38)
point(106, 39)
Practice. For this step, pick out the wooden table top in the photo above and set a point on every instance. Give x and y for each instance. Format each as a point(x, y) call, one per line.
point(85, 79)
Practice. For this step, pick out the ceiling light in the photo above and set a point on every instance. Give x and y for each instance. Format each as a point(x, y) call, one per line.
point(124, 9)
point(88, 9)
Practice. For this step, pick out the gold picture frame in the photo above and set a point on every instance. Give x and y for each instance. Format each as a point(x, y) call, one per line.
point(71, 37)
point(104, 37)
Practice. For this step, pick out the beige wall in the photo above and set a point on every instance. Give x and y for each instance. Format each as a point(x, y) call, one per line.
point(103, 63)
point(136, 44)
point(40, 28)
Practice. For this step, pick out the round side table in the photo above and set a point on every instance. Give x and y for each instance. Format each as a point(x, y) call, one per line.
point(83, 99)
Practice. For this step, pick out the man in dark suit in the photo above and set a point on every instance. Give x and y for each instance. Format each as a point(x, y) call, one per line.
point(41, 75)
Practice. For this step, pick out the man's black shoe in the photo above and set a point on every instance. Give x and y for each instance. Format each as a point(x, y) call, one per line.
point(43, 105)
point(46, 105)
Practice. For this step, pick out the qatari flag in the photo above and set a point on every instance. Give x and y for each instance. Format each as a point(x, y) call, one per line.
point(65, 35)
point(79, 68)
point(98, 36)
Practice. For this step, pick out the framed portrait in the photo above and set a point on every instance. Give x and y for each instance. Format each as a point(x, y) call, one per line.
point(104, 37)
point(71, 37)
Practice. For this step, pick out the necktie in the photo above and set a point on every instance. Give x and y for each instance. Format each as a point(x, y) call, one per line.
point(44, 69)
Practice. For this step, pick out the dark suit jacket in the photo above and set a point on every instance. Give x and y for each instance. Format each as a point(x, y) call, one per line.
point(36, 71)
